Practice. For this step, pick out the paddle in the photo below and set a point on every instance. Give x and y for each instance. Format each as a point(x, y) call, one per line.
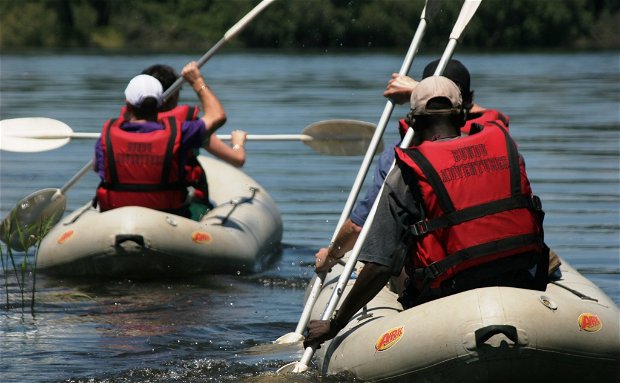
point(467, 11)
point(232, 32)
point(35, 134)
point(22, 227)
point(429, 10)
point(22, 223)
point(332, 137)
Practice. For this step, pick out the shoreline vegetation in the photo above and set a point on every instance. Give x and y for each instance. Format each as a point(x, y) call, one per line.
point(331, 26)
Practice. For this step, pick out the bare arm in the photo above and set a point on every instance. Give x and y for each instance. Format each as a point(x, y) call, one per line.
point(476, 109)
point(234, 155)
point(369, 282)
point(214, 115)
point(399, 88)
point(396, 209)
point(327, 257)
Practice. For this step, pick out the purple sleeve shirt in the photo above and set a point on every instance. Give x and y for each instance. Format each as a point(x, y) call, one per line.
point(193, 134)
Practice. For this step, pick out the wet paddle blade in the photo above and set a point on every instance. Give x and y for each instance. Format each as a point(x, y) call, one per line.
point(291, 337)
point(340, 137)
point(294, 367)
point(31, 218)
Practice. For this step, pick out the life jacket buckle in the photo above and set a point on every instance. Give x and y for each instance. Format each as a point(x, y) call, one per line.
point(420, 228)
point(432, 271)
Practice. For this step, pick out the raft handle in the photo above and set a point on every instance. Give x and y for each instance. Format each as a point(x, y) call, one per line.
point(485, 333)
point(121, 238)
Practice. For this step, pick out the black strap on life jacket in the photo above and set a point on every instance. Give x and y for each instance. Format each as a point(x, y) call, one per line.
point(438, 268)
point(423, 227)
point(190, 114)
point(164, 184)
point(174, 131)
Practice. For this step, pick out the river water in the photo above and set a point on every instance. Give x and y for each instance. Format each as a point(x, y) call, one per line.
point(565, 115)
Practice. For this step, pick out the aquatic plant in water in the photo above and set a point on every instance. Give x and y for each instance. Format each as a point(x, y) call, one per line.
point(23, 271)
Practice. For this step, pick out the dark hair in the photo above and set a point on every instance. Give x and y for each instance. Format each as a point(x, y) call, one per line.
point(424, 120)
point(457, 72)
point(146, 111)
point(166, 76)
point(455, 121)
point(439, 102)
point(164, 73)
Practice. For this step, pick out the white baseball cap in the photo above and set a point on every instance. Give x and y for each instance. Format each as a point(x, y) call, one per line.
point(436, 87)
point(142, 87)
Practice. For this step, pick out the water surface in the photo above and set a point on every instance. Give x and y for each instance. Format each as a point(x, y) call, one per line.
point(564, 113)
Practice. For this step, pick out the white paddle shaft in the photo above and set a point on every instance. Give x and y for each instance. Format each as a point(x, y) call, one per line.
point(467, 11)
point(232, 32)
point(224, 137)
point(432, 6)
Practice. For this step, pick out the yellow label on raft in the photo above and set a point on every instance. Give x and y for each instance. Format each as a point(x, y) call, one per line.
point(389, 338)
point(589, 322)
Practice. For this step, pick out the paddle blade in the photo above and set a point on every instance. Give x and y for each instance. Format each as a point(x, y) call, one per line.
point(340, 137)
point(292, 368)
point(430, 9)
point(32, 218)
point(468, 10)
point(22, 134)
point(291, 337)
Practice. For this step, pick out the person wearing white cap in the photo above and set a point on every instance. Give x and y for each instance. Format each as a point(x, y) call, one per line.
point(457, 212)
point(141, 159)
point(195, 175)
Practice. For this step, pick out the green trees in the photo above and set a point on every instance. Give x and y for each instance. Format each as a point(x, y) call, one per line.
point(186, 25)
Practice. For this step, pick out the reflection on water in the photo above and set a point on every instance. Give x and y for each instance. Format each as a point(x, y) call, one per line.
point(564, 115)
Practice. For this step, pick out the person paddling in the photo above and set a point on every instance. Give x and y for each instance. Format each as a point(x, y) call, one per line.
point(399, 89)
point(457, 211)
point(140, 159)
point(195, 175)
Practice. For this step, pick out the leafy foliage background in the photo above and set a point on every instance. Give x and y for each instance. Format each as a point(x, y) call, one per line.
point(193, 25)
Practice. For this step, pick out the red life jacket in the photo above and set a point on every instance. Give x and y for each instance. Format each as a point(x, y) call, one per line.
point(141, 169)
point(194, 173)
point(477, 203)
point(487, 115)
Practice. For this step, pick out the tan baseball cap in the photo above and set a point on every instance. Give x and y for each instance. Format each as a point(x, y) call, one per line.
point(436, 87)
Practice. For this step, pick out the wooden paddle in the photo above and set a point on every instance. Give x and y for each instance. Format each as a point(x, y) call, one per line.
point(429, 10)
point(332, 137)
point(21, 227)
point(467, 11)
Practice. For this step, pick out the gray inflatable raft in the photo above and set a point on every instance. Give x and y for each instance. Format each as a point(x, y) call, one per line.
point(241, 234)
point(568, 333)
